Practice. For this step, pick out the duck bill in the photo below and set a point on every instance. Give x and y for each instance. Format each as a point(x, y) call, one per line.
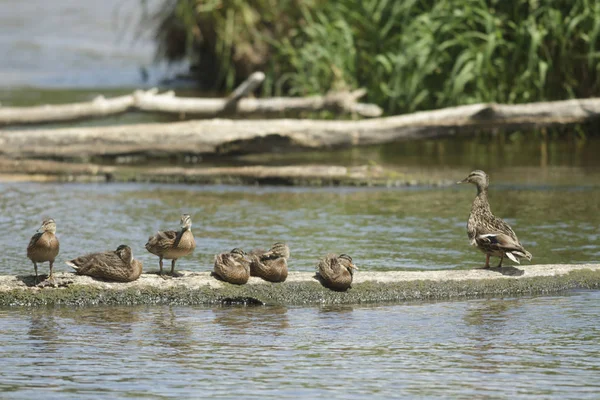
point(353, 266)
point(463, 181)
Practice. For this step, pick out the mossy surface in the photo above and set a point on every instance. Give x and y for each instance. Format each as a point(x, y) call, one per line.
point(305, 292)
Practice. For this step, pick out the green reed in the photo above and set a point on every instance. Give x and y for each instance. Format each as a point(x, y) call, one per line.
point(409, 54)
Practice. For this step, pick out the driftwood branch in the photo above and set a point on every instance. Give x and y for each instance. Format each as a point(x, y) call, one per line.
point(152, 101)
point(221, 136)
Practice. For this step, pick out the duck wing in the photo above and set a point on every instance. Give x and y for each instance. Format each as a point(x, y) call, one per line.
point(34, 239)
point(161, 241)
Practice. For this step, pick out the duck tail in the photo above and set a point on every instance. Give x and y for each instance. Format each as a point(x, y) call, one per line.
point(72, 265)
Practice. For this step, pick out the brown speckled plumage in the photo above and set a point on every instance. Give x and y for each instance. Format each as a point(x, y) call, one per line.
point(336, 272)
point(270, 265)
point(118, 265)
point(488, 233)
point(44, 246)
point(232, 267)
point(171, 245)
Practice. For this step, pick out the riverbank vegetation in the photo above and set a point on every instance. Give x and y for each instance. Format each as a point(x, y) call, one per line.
point(410, 55)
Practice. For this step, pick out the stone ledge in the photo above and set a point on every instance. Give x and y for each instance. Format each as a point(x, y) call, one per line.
point(301, 288)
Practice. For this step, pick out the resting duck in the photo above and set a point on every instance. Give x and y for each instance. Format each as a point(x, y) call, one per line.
point(270, 265)
point(487, 232)
point(118, 265)
point(44, 246)
point(336, 272)
point(232, 267)
point(171, 245)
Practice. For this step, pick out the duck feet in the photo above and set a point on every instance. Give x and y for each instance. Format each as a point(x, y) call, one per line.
point(48, 282)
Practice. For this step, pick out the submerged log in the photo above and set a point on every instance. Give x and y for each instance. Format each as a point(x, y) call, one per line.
point(301, 288)
point(306, 175)
point(223, 136)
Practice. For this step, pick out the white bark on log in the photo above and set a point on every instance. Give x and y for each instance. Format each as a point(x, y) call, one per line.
point(221, 136)
point(99, 107)
point(338, 102)
point(151, 101)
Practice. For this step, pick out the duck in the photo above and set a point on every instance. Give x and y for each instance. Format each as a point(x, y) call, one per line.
point(118, 265)
point(44, 246)
point(172, 245)
point(336, 272)
point(232, 267)
point(488, 233)
point(270, 265)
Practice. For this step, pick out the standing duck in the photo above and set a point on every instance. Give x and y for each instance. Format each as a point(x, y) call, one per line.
point(44, 246)
point(487, 232)
point(232, 267)
point(171, 245)
point(270, 265)
point(336, 272)
point(118, 265)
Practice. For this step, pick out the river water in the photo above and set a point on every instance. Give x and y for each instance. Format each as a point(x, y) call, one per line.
point(548, 189)
point(542, 347)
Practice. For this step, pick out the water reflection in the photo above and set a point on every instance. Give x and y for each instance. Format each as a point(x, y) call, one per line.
point(532, 347)
point(242, 320)
point(171, 327)
point(44, 331)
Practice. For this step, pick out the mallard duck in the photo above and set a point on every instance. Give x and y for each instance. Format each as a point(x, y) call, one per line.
point(336, 272)
point(487, 232)
point(270, 265)
point(171, 245)
point(232, 267)
point(44, 246)
point(118, 265)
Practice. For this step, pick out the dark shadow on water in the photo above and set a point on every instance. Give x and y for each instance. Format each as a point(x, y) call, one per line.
point(240, 319)
point(336, 308)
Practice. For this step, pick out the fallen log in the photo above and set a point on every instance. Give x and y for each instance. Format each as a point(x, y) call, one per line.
point(233, 137)
point(99, 107)
point(167, 103)
point(337, 102)
point(301, 288)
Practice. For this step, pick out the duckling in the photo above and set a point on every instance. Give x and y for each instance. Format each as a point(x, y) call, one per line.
point(232, 267)
point(172, 245)
point(44, 246)
point(270, 265)
point(118, 265)
point(487, 232)
point(336, 272)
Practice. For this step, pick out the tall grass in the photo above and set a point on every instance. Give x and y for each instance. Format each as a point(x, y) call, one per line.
point(409, 54)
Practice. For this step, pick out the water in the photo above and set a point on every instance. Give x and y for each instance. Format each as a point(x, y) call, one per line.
point(544, 347)
point(382, 229)
point(98, 43)
point(493, 348)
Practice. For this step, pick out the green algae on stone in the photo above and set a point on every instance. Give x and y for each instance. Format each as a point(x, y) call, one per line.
point(303, 292)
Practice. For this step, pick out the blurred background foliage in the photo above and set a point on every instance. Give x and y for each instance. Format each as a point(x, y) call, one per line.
point(409, 54)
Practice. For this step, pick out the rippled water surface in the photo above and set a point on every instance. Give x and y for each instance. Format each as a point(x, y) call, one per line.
point(544, 347)
point(382, 229)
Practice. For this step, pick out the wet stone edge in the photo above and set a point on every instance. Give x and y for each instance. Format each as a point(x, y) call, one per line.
point(303, 293)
